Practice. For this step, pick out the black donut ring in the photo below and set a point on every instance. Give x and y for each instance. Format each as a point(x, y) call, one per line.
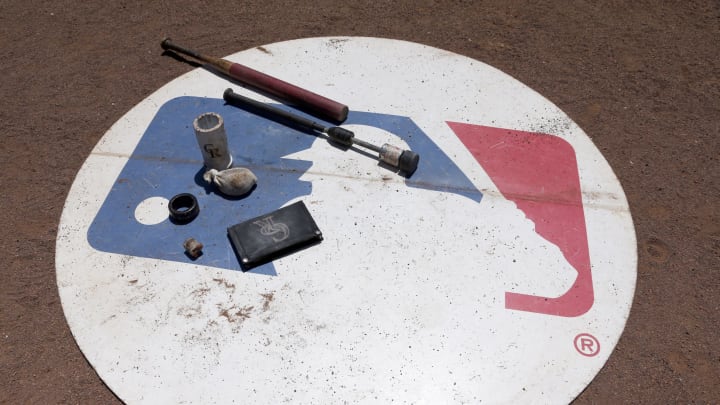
point(183, 208)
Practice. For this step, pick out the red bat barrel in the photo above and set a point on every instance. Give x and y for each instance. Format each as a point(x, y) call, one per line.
point(288, 93)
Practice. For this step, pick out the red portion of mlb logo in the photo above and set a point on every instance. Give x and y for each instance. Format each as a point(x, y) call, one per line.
point(539, 173)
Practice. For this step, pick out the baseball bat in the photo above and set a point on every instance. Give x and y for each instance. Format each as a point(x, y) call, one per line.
point(288, 93)
point(405, 160)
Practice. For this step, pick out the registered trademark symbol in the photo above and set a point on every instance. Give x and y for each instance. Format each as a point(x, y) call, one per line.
point(587, 344)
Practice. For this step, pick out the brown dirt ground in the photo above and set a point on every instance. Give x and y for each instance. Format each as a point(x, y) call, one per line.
point(642, 78)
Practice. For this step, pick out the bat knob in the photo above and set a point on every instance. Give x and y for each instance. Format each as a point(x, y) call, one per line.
point(165, 44)
point(408, 162)
point(405, 160)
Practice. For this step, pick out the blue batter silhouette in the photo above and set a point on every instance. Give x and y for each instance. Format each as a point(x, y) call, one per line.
point(167, 162)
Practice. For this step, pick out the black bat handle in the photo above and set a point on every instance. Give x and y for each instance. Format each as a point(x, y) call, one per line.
point(271, 112)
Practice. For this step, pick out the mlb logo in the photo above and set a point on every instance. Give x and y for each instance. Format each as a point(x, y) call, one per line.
point(536, 171)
